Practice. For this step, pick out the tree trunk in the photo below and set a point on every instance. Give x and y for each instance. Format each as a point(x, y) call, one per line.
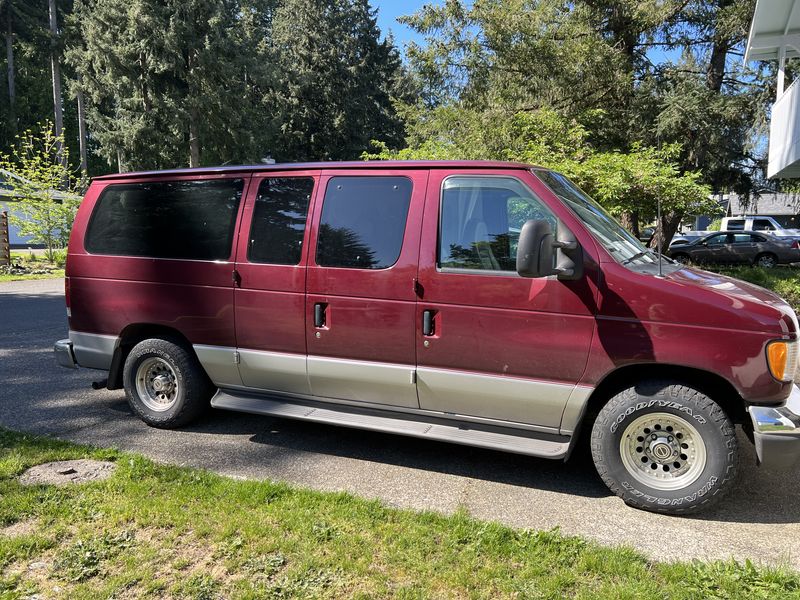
point(56, 71)
point(194, 140)
point(716, 65)
point(12, 94)
point(666, 230)
point(82, 132)
point(630, 221)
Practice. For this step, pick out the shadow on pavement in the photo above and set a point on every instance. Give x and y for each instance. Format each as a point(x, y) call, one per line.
point(38, 396)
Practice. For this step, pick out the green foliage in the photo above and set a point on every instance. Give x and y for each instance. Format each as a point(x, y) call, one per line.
point(45, 187)
point(622, 182)
point(592, 62)
point(715, 225)
point(335, 81)
point(203, 82)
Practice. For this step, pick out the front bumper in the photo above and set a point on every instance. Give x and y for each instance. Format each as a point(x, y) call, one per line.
point(776, 432)
point(65, 356)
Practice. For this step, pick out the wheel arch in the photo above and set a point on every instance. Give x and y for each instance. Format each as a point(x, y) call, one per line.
point(713, 385)
point(132, 335)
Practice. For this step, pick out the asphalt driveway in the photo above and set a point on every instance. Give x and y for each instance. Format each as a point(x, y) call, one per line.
point(760, 520)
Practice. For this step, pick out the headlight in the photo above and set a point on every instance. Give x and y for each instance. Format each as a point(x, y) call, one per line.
point(782, 359)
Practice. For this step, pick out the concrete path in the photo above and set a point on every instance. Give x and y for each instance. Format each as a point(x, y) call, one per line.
point(760, 520)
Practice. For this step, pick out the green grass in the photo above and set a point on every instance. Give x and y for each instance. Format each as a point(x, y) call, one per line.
point(31, 261)
point(784, 281)
point(55, 274)
point(161, 531)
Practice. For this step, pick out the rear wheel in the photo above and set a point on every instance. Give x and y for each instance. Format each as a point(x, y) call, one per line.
point(164, 383)
point(665, 447)
point(766, 260)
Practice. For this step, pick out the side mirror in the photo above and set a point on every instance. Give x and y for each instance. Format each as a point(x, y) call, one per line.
point(541, 254)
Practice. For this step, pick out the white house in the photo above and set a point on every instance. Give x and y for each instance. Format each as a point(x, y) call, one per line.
point(775, 35)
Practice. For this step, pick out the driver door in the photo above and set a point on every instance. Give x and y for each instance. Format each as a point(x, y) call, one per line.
point(490, 343)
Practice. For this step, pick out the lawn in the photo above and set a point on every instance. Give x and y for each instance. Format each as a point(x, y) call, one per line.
point(162, 531)
point(26, 265)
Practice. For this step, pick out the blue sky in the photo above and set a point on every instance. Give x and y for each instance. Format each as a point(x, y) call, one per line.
point(389, 10)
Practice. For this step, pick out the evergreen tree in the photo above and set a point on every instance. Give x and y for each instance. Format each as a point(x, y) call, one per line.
point(169, 83)
point(26, 97)
point(335, 81)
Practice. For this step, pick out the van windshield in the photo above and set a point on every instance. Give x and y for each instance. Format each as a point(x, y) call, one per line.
point(622, 245)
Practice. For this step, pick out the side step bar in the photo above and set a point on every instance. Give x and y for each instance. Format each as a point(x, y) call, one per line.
point(505, 439)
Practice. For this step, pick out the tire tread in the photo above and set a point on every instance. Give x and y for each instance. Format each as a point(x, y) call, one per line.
point(685, 394)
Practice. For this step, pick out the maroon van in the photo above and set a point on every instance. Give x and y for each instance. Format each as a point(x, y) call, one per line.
point(481, 303)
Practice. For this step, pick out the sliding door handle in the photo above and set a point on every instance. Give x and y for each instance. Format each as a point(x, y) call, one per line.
point(319, 314)
point(427, 322)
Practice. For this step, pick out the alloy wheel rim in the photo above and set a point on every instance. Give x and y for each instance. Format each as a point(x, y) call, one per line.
point(156, 384)
point(766, 261)
point(663, 451)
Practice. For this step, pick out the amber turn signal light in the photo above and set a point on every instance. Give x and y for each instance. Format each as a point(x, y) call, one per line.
point(782, 360)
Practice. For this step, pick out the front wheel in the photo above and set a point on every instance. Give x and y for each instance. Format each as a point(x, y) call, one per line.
point(665, 447)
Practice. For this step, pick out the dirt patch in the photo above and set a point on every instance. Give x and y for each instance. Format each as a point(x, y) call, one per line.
point(18, 529)
point(68, 471)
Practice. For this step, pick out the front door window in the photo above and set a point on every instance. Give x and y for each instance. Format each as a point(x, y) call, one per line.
point(481, 219)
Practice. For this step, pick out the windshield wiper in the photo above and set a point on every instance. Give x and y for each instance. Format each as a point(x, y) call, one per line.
point(638, 255)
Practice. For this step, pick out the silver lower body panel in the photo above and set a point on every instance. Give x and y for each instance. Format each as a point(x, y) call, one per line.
point(441, 428)
point(92, 350)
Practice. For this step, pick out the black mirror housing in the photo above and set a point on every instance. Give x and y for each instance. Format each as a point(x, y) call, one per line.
point(535, 249)
point(541, 254)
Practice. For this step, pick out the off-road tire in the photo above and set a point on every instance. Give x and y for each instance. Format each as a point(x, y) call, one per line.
point(193, 390)
point(676, 401)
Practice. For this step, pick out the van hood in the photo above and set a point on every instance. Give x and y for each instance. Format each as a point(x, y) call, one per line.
point(742, 305)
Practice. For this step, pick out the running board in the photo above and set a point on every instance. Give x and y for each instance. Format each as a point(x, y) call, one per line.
point(505, 439)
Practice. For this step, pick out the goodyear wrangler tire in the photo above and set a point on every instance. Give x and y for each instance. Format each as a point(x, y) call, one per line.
point(665, 447)
point(164, 383)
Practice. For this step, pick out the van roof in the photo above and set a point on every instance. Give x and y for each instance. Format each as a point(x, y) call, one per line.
point(356, 165)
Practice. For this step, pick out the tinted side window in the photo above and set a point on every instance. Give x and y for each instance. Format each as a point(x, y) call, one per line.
point(363, 222)
point(481, 219)
point(742, 238)
point(279, 220)
point(735, 224)
point(717, 240)
point(168, 219)
point(762, 225)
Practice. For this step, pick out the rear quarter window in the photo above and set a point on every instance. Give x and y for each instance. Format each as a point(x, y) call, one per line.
point(735, 224)
point(166, 219)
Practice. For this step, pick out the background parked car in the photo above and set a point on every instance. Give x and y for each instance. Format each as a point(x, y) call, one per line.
point(759, 223)
point(646, 234)
point(759, 249)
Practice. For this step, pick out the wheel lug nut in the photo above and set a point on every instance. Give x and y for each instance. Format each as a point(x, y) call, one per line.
point(653, 436)
point(669, 439)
